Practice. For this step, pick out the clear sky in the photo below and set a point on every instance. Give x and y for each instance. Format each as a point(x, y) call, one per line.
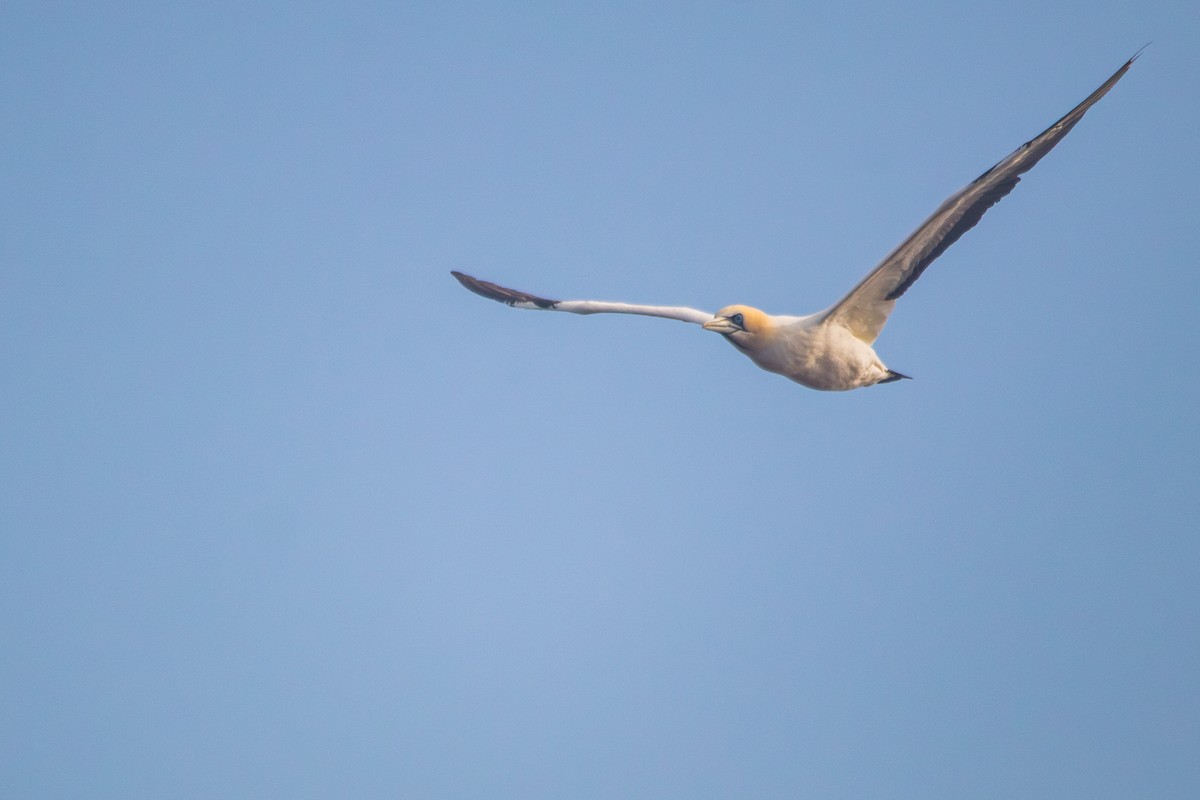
point(286, 513)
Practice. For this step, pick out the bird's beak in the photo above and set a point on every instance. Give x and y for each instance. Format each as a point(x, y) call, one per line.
point(721, 325)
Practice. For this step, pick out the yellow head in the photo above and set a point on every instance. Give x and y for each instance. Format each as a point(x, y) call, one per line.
point(742, 326)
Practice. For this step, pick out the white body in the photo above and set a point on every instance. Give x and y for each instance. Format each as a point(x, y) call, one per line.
point(826, 357)
point(833, 350)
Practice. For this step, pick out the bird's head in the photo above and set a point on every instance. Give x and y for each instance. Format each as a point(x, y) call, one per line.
point(743, 326)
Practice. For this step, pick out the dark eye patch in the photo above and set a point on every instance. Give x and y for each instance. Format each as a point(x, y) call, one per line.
point(739, 320)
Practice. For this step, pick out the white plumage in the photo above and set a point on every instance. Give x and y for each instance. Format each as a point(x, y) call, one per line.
point(832, 350)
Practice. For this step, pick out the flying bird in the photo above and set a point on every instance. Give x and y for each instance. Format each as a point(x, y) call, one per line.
point(832, 349)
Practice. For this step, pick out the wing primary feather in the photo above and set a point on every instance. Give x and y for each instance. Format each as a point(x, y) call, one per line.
point(502, 294)
point(516, 299)
point(866, 308)
point(1009, 171)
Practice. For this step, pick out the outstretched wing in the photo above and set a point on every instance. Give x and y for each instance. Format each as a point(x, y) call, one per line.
point(524, 300)
point(865, 310)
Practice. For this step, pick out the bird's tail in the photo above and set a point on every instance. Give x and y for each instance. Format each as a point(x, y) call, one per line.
point(892, 375)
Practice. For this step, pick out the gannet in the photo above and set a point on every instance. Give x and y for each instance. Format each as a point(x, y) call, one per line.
point(832, 349)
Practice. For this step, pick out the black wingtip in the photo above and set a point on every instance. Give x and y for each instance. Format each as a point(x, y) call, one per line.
point(499, 293)
point(466, 280)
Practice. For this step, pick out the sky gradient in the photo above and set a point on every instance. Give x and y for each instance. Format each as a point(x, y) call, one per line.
point(285, 512)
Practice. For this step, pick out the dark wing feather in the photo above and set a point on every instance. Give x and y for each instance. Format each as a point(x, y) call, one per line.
point(517, 299)
point(502, 294)
point(865, 309)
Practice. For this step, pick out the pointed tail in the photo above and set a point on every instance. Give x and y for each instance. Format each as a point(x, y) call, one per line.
point(895, 376)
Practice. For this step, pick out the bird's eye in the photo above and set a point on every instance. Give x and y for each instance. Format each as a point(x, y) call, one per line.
point(739, 320)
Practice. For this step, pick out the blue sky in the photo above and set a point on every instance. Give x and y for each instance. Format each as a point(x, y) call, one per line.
point(287, 513)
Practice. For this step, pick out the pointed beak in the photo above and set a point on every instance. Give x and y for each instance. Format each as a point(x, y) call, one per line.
point(721, 325)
